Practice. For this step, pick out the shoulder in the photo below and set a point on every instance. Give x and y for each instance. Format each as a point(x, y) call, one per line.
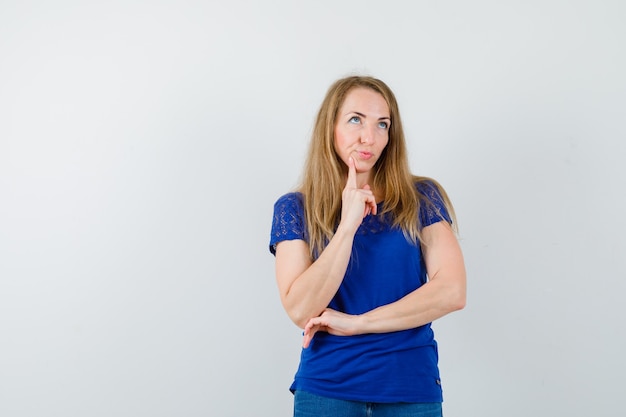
point(288, 222)
point(433, 201)
point(290, 201)
point(427, 187)
point(291, 196)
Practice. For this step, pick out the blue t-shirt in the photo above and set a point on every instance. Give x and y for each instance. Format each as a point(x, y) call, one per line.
point(384, 267)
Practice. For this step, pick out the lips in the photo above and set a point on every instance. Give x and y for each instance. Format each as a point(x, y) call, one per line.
point(364, 155)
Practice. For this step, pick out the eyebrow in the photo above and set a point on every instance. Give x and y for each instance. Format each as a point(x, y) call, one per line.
point(362, 115)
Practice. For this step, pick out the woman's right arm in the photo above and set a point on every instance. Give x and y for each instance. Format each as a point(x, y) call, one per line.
point(306, 288)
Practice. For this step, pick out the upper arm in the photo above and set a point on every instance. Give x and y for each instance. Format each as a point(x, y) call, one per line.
point(443, 257)
point(292, 259)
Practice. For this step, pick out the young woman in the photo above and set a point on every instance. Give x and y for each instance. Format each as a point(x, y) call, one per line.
point(366, 259)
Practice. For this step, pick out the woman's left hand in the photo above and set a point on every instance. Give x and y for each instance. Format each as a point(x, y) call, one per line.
point(331, 321)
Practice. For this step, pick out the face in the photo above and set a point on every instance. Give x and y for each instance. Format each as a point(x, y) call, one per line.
point(362, 129)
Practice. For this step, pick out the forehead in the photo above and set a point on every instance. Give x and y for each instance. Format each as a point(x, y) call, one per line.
point(363, 99)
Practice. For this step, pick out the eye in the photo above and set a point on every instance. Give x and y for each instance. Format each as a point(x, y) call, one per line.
point(354, 119)
point(383, 125)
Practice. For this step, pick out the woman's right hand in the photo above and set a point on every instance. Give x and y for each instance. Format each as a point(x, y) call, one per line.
point(356, 203)
point(306, 287)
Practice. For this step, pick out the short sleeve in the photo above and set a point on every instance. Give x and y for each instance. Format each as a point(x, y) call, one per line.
point(432, 208)
point(288, 222)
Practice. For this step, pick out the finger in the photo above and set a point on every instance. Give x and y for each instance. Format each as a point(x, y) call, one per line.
point(309, 332)
point(373, 206)
point(306, 341)
point(370, 203)
point(308, 326)
point(351, 183)
point(306, 335)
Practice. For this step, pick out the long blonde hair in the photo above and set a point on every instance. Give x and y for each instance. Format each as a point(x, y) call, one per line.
point(325, 173)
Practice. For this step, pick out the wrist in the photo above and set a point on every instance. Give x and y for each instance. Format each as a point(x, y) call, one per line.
point(363, 324)
point(345, 231)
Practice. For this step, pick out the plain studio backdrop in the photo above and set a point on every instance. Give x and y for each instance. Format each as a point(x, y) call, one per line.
point(143, 144)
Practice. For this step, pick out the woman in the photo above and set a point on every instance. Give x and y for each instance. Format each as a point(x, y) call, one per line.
point(366, 259)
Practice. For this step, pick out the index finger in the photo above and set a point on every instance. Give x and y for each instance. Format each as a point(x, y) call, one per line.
point(351, 183)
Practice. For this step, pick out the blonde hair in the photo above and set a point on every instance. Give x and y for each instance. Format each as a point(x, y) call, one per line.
point(325, 173)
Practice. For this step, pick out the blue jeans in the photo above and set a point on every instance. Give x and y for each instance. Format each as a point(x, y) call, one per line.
point(311, 405)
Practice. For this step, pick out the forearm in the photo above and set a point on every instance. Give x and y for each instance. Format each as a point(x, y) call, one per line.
point(431, 301)
point(442, 294)
point(424, 305)
point(315, 287)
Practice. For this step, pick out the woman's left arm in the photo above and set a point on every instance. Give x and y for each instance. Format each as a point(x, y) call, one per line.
point(442, 294)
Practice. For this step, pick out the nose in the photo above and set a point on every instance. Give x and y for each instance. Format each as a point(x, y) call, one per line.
point(367, 135)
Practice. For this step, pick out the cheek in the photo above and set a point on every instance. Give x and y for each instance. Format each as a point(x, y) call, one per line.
point(384, 141)
point(347, 137)
point(339, 141)
point(336, 143)
point(336, 136)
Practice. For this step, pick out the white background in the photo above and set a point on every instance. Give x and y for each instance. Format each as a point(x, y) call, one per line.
point(143, 144)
